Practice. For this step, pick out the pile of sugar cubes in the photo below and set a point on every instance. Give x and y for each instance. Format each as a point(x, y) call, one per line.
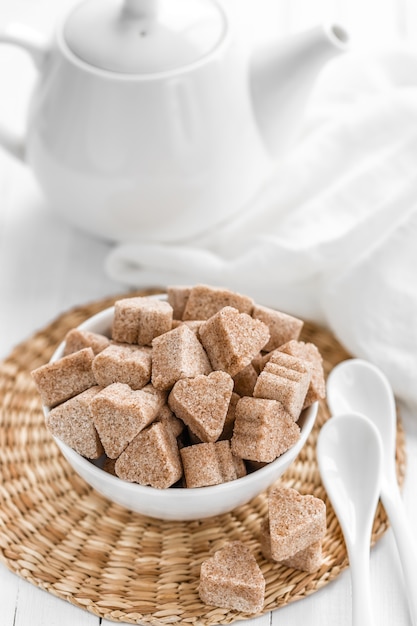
point(292, 536)
point(191, 391)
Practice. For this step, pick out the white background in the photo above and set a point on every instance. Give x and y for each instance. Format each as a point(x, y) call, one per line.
point(47, 267)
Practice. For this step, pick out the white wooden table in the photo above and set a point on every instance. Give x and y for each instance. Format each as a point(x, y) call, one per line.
point(47, 267)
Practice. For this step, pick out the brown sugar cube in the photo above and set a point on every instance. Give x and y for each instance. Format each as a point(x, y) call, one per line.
point(65, 378)
point(202, 403)
point(279, 357)
point(308, 560)
point(245, 381)
point(205, 301)
point(208, 464)
point(193, 325)
point(232, 579)
point(119, 414)
point(229, 422)
point(77, 339)
point(160, 397)
point(295, 522)
point(282, 327)
point(177, 296)
point(175, 355)
point(287, 386)
point(257, 362)
point(123, 363)
point(152, 458)
point(263, 430)
point(265, 540)
point(139, 320)
point(310, 353)
point(240, 466)
point(72, 423)
point(286, 372)
point(167, 417)
point(232, 339)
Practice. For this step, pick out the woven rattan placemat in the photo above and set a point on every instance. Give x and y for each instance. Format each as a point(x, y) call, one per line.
point(60, 535)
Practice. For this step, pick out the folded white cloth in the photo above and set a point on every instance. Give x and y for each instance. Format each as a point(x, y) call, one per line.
point(332, 237)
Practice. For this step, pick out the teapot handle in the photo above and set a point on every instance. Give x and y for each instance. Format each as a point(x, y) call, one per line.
point(31, 42)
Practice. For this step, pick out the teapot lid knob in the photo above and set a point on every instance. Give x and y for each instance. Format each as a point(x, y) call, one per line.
point(144, 36)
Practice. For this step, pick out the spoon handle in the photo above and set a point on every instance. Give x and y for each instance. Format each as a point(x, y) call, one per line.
point(394, 507)
point(362, 612)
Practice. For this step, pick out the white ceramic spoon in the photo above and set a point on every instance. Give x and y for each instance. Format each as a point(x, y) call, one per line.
point(349, 454)
point(356, 385)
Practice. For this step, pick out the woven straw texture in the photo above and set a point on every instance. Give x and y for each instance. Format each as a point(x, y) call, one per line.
point(59, 534)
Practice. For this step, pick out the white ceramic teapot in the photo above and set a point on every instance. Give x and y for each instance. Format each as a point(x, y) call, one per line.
point(149, 122)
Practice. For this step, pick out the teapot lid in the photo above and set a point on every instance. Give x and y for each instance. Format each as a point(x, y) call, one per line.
point(144, 36)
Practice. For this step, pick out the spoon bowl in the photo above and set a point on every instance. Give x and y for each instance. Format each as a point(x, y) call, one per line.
point(358, 386)
point(349, 453)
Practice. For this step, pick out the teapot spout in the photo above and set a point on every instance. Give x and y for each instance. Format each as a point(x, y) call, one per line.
point(282, 76)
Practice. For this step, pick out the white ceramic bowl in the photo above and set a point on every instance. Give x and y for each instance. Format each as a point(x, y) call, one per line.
point(178, 503)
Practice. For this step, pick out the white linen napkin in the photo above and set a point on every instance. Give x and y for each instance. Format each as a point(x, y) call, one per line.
point(332, 237)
